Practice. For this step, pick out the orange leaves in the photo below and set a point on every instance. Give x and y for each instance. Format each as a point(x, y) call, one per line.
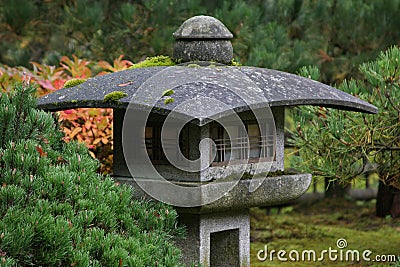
point(77, 68)
point(75, 132)
point(10, 75)
point(41, 152)
point(104, 140)
point(118, 64)
point(103, 123)
point(49, 78)
point(92, 127)
point(50, 73)
point(324, 57)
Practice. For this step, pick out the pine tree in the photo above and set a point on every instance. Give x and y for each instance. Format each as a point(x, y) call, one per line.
point(334, 35)
point(56, 210)
point(342, 145)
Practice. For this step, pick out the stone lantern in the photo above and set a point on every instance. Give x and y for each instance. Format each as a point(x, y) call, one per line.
point(205, 137)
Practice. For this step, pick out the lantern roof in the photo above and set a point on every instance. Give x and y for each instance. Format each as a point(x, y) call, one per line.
point(201, 92)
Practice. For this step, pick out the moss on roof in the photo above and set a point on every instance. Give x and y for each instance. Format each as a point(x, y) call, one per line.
point(153, 62)
point(115, 96)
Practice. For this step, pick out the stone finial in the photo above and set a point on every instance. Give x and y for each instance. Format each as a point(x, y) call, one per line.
point(203, 38)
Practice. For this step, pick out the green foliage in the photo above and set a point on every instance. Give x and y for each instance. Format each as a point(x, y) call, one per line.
point(73, 82)
point(311, 72)
point(342, 145)
point(19, 14)
point(56, 211)
point(91, 126)
point(114, 96)
point(16, 112)
point(334, 35)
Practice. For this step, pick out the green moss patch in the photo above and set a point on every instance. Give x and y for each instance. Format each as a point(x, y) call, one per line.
point(169, 100)
point(73, 82)
point(235, 63)
point(115, 96)
point(153, 62)
point(168, 92)
point(193, 65)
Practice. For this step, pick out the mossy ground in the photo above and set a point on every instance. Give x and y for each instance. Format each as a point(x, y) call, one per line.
point(318, 226)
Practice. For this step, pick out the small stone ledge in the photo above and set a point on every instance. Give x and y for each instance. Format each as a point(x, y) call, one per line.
point(272, 191)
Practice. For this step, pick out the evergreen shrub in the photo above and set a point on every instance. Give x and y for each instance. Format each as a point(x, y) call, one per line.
point(57, 211)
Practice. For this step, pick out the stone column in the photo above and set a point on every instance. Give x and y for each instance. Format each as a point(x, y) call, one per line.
point(216, 239)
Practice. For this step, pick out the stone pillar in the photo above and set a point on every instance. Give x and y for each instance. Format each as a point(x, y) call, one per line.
point(216, 239)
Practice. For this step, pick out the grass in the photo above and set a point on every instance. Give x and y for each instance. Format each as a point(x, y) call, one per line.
point(318, 226)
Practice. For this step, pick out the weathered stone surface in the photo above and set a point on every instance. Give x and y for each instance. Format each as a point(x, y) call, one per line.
point(273, 190)
point(220, 51)
point(218, 239)
point(203, 38)
point(202, 27)
point(202, 85)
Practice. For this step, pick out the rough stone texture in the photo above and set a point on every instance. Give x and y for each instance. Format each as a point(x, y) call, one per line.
point(217, 239)
point(273, 190)
point(279, 117)
point(215, 50)
point(203, 84)
point(203, 38)
point(202, 27)
point(225, 248)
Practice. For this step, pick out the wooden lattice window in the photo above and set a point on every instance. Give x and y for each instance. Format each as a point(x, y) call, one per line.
point(237, 148)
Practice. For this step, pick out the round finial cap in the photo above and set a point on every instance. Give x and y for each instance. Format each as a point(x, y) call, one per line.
point(203, 38)
point(202, 27)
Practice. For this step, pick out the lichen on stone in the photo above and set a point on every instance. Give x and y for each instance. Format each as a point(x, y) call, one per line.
point(74, 82)
point(193, 65)
point(234, 63)
point(114, 96)
point(153, 62)
point(168, 92)
point(169, 100)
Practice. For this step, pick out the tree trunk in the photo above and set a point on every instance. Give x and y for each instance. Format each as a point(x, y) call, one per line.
point(387, 201)
point(333, 189)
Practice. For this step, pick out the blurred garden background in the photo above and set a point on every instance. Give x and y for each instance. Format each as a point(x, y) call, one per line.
point(353, 45)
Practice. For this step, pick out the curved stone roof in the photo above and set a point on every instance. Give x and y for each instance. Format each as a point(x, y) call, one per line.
point(201, 93)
